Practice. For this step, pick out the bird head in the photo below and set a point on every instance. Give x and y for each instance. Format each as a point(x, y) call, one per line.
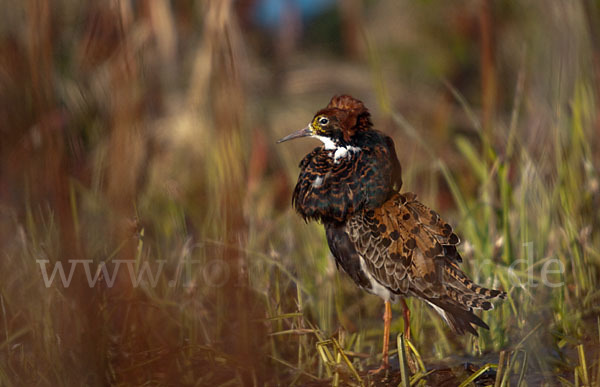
point(337, 124)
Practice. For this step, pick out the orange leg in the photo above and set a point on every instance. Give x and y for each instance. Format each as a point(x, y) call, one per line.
point(387, 321)
point(406, 319)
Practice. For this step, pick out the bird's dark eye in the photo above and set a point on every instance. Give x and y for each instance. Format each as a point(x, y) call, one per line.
point(323, 121)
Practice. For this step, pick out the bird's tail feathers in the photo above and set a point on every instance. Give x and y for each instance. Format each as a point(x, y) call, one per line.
point(464, 291)
point(457, 318)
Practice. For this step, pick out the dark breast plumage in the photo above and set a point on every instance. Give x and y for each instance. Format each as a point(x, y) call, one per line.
point(334, 184)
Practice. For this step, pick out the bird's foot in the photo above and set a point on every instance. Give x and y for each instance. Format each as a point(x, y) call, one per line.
point(384, 366)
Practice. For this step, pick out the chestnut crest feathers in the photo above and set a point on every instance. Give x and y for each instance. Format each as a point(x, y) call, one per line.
point(345, 113)
point(336, 124)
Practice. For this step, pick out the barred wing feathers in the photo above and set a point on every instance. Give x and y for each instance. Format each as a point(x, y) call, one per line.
point(410, 250)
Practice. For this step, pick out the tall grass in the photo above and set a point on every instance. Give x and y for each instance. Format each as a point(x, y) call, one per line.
point(144, 133)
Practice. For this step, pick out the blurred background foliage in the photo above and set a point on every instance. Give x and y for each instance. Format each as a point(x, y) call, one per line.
point(144, 130)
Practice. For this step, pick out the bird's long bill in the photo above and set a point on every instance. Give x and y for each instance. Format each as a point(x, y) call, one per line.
point(301, 133)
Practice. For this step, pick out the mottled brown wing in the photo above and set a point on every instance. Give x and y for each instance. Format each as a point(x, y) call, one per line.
point(457, 286)
point(385, 250)
point(404, 238)
point(410, 250)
